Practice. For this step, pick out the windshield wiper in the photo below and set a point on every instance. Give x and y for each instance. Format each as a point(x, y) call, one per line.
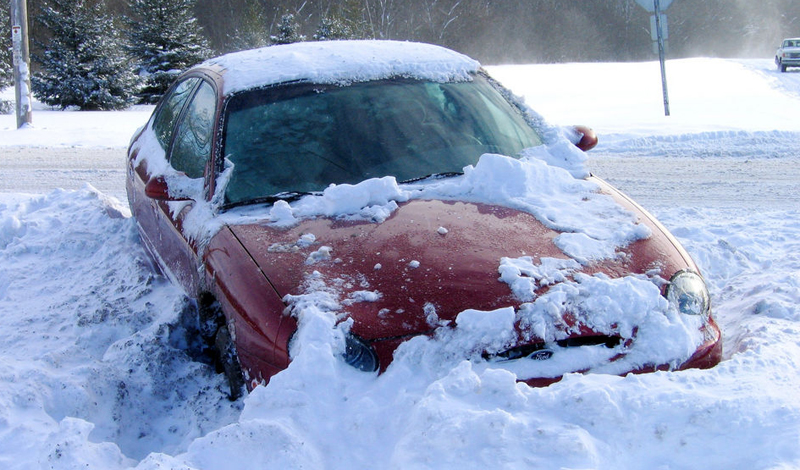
point(287, 196)
point(433, 176)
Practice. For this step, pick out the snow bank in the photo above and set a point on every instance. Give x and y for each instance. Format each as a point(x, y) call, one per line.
point(93, 345)
point(623, 101)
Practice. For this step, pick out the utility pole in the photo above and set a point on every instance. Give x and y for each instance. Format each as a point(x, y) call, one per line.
point(22, 62)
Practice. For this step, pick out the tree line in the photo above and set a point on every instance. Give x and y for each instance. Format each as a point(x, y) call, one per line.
point(521, 31)
point(107, 54)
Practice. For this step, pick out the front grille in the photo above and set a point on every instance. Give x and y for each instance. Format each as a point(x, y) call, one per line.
point(544, 351)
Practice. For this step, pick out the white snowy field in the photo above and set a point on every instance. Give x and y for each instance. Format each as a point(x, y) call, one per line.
point(94, 370)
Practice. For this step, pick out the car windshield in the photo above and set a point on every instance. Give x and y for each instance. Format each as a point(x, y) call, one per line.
point(300, 138)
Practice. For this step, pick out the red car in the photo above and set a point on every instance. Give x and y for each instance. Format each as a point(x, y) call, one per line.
point(245, 185)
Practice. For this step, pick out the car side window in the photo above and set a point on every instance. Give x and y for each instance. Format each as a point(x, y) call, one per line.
point(170, 110)
point(194, 134)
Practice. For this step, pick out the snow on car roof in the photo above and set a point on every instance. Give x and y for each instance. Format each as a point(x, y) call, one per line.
point(341, 62)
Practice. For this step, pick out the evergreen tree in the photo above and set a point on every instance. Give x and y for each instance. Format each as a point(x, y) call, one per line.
point(84, 64)
point(331, 29)
point(354, 17)
point(288, 31)
point(6, 67)
point(165, 40)
point(250, 31)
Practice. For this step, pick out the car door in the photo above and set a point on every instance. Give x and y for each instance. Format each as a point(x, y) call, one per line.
point(184, 127)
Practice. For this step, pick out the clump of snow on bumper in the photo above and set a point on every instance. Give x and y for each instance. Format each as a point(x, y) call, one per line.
point(629, 308)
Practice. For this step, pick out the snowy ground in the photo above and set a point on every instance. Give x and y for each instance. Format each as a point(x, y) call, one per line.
point(94, 373)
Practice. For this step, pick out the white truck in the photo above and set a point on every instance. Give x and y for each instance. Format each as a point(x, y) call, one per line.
point(788, 54)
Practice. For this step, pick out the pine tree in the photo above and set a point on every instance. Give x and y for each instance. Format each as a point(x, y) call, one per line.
point(6, 67)
point(331, 29)
point(250, 31)
point(165, 40)
point(287, 31)
point(84, 64)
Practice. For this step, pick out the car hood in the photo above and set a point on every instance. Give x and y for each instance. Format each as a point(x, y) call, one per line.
point(426, 263)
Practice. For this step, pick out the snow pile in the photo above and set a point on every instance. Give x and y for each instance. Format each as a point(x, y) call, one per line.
point(593, 224)
point(93, 342)
point(628, 308)
point(525, 278)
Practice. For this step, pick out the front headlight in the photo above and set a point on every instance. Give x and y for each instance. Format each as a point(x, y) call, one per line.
point(359, 354)
point(688, 293)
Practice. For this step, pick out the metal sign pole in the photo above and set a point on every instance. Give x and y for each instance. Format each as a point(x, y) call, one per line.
point(661, 56)
point(22, 61)
point(658, 30)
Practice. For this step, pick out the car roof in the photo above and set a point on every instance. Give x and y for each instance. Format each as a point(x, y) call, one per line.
point(339, 62)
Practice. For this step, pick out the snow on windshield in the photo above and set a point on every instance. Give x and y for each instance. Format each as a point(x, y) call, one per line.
point(594, 226)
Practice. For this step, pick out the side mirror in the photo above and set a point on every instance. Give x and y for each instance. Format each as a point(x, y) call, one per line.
point(158, 189)
point(588, 139)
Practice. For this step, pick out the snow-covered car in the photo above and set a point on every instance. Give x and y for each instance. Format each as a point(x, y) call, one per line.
point(788, 54)
point(398, 191)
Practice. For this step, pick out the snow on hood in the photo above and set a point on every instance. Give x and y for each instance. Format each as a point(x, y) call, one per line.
point(593, 225)
point(341, 62)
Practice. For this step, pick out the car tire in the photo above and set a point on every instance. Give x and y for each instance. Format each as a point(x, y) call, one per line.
point(209, 319)
point(220, 348)
point(229, 363)
point(781, 67)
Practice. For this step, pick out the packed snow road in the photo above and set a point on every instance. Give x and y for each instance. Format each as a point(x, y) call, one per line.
point(95, 371)
point(40, 169)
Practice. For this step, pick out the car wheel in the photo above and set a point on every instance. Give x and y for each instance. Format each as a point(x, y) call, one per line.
point(229, 362)
point(218, 343)
point(781, 67)
point(209, 320)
